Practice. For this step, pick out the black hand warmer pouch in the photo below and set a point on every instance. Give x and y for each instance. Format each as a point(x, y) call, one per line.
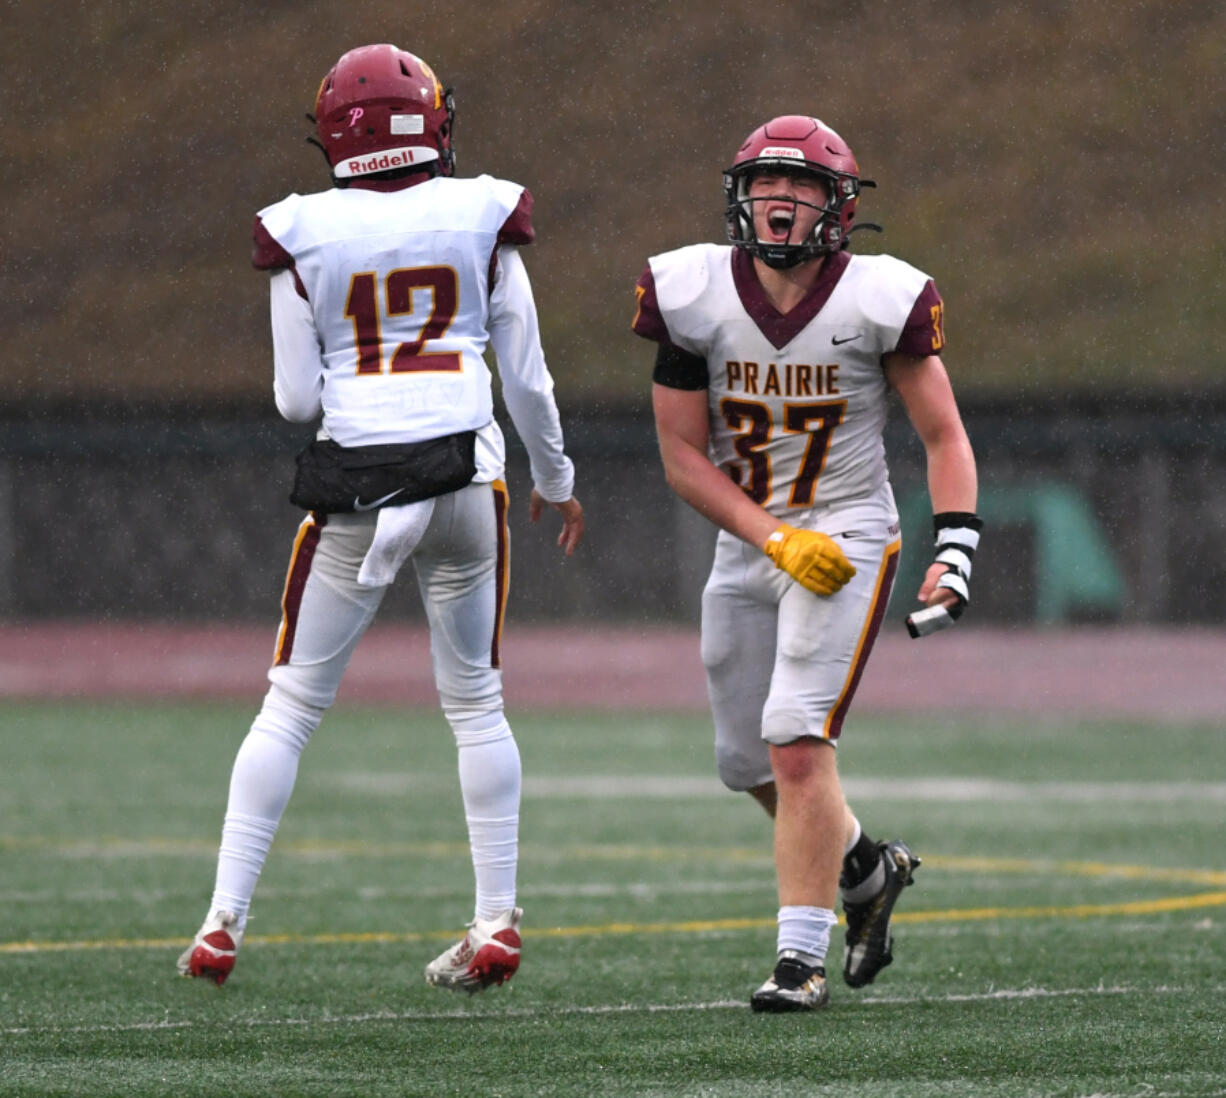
point(337, 478)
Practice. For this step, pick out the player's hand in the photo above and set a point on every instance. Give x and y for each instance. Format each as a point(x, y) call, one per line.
point(811, 558)
point(932, 593)
point(946, 590)
point(571, 511)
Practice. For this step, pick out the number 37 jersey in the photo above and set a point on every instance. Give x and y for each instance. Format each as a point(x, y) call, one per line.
point(398, 283)
point(797, 401)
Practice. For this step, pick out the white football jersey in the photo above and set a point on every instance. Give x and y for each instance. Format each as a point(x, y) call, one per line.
point(798, 400)
point(398, 283)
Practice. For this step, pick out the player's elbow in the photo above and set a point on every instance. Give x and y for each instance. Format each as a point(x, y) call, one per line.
point(946, 437)
point(681, 476)
point(674, 473)
point(298, 408)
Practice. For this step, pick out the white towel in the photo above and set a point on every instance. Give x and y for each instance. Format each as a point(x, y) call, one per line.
point(397, 532)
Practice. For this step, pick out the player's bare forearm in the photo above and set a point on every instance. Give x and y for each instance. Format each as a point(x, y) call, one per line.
point(953, 486)
point(709, 491)
point(953, 483)
point(924, 387)
point(682, 429)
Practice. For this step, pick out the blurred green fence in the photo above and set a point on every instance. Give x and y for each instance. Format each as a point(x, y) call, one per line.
point(1097, 511)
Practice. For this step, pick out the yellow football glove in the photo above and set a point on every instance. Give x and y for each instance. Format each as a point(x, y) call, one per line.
point(811, 558)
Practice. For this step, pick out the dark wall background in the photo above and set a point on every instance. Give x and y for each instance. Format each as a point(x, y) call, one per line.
point(1098, 511)
point(1055, 166)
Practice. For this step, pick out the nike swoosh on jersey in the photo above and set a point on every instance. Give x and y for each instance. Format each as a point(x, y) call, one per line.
point(839, 342)
point(358, 505)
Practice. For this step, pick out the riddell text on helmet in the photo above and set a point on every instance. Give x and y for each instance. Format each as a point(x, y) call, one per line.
point(381, 162)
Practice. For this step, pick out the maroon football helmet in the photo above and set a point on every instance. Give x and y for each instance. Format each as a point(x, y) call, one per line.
point(795, 143)
point(382, 109)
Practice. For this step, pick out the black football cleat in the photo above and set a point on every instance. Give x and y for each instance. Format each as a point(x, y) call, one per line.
point(793, 985)
point(867, 940)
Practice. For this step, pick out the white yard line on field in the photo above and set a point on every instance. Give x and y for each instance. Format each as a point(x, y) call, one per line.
point(498, 1015)
point(701, 787)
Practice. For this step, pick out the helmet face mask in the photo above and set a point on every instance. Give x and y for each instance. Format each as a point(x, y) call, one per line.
point(382, 109)
point(800, 146)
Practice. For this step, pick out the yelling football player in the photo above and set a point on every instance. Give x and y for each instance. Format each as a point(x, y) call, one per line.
point(776, 356)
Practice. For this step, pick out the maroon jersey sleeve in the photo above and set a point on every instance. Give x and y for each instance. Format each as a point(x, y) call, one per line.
point(674, 367)
point(268, 255)
point(648, 322)
point(924, 332)
point(517, 229)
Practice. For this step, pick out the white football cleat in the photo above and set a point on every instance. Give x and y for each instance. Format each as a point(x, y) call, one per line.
point(488, 954)
point(212, 952)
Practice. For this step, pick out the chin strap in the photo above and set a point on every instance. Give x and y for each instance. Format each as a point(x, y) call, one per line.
point(447, 157)
point(313, 140)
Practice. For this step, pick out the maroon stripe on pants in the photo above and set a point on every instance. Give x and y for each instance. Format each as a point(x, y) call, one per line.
point(295, 582)
point(501, 569)
point(881, 599)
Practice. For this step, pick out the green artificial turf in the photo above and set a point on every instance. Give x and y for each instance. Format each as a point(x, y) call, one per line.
point(1065, 936)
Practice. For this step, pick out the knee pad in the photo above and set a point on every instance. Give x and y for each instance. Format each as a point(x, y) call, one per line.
point(472, 727)
point(287, 718)
point(468, 689)
point(785, 723)
point(308, 684)
point(740, 771)
point(717, 651)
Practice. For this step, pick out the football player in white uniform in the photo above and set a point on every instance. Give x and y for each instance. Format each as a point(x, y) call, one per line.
point(385, 291)
point(776, 355)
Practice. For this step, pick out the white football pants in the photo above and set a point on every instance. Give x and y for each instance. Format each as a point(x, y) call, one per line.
point(461, 563)
point(782, 662)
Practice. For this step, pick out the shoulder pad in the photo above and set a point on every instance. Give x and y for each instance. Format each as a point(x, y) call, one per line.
point(682, 276)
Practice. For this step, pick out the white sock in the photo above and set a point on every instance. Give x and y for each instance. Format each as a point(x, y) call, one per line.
point(260, 786)
point(245, 841)
point(806, 930)
point(490, 781)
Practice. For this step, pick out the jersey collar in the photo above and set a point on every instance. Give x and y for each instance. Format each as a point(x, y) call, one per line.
point(374, 183)
point(782, 328)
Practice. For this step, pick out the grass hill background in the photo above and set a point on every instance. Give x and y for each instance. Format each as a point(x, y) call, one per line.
point(1055, 166)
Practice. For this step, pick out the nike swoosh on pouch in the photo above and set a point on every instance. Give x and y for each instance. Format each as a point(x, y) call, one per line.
point(358, 505)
